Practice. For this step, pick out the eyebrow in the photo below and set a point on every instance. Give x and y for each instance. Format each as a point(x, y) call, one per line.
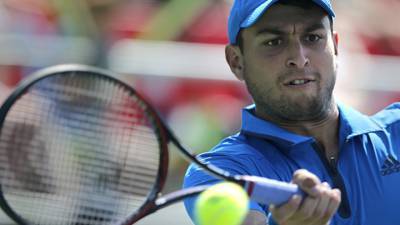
point(279, 31)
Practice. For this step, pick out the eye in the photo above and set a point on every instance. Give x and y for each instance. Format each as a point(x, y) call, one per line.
point(274, 42)
point(313, 38)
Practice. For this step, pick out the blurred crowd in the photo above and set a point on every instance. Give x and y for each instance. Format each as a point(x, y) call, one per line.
point(370, 25)
point(39, 33)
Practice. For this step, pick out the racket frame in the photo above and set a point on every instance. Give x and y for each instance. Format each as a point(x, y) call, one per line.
point(23, 87)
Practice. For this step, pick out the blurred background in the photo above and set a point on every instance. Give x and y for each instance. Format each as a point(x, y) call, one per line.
point(172, 51)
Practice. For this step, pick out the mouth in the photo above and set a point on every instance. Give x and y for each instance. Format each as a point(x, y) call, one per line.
point(299, 81)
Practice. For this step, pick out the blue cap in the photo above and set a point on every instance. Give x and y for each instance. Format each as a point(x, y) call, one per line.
point(245, 13)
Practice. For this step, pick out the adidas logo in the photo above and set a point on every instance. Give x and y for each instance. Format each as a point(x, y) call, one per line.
point(391, 165)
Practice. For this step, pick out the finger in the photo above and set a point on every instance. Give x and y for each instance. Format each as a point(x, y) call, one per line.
point(333, 205)
point(326, 196)
point(307, 182)
point(307, 209)
point(331, 208)
point(284, 212)
point(326, 184)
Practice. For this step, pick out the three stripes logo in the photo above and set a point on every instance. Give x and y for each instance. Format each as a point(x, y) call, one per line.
point(391, 165)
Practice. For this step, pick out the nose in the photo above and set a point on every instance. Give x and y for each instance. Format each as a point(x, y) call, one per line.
point(297, 56)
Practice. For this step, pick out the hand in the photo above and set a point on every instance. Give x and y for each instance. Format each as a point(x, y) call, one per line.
point(317, 208)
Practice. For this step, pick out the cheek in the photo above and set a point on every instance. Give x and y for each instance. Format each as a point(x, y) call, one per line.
point(262, 74)
point(263, 65)
point(325, 61)
point(331, 54)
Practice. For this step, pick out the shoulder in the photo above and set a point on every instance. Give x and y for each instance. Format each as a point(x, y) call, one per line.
point(235, 146)
point(235, 155)
point(388, 117)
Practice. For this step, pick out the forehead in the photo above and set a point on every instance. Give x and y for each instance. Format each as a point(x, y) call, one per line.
point(286, 17)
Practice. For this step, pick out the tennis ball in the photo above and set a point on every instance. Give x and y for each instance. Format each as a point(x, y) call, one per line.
point(222, 204)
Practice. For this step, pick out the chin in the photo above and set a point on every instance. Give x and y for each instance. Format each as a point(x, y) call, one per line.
point(312, 110)
point(302, 110)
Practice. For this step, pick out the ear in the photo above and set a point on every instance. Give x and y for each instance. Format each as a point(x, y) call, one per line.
point(234, 57)
point(335, 36)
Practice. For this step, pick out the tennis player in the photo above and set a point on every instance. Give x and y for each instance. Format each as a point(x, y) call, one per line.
point(286, 53)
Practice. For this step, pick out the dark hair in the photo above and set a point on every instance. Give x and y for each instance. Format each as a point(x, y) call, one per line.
point(304, 4)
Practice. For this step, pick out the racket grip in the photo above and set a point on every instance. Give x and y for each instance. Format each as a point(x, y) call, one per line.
point(267, 191)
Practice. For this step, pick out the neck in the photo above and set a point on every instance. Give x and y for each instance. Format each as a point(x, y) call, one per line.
point(323, 129)
point(314, 128)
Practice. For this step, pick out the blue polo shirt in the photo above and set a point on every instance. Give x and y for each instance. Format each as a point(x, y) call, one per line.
point(367, 170)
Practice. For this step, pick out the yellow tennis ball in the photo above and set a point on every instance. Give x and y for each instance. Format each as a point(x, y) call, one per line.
point(222, 204)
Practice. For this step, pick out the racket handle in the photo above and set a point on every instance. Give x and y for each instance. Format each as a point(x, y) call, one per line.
point(268, 191)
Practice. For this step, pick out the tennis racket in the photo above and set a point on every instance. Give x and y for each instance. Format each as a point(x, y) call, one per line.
point(79, 146)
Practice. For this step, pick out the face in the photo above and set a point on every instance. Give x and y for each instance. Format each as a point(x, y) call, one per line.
point(288, 62)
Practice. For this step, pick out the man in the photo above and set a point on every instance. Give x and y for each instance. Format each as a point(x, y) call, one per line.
point(286, 53)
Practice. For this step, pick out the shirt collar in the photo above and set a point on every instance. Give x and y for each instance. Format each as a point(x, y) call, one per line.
point(256, 126)
point(352, 123)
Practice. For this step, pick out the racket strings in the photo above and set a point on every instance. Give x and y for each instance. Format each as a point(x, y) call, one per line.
point(95, 158)
point(76, 115)
point(76, 149)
